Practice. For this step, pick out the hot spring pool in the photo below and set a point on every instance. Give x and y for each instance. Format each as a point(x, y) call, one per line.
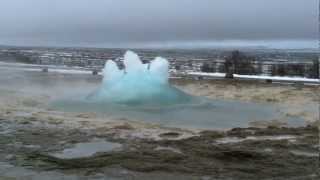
point(141, 92)
point(213, 114)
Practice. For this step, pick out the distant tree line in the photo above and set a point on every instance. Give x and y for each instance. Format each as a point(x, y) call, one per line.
point(16, 57)
point(239, 63)
point(297, 69)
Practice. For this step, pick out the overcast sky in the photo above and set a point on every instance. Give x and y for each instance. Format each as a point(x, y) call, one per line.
point(156, 22)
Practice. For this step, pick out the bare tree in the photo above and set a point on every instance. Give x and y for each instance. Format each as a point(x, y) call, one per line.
point(230, 63)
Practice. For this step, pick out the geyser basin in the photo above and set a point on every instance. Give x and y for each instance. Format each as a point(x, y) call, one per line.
point(142, 92)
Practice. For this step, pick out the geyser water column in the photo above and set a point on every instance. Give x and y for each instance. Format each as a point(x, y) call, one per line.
point(138, 83)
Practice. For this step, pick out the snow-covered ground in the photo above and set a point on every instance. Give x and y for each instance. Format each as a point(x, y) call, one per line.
point(37, 68)
point(259, 77)
point(16, 64)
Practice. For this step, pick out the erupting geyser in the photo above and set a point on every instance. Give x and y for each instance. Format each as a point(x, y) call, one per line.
point(142, 92)
point(138, 83)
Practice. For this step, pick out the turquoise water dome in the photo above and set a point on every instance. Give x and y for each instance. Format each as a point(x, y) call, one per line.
point(137, 83)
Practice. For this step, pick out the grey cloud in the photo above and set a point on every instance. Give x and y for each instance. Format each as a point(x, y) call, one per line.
point(74, 22)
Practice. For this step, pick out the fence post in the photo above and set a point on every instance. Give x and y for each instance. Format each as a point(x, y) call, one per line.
point(318, 68)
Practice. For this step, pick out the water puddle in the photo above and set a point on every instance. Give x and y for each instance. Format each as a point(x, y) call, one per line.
point(87, 149)
point(162, 148)
point(306, 154)
point(227, 140)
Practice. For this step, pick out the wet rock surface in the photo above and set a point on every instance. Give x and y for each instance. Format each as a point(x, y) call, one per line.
point(269, 153)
